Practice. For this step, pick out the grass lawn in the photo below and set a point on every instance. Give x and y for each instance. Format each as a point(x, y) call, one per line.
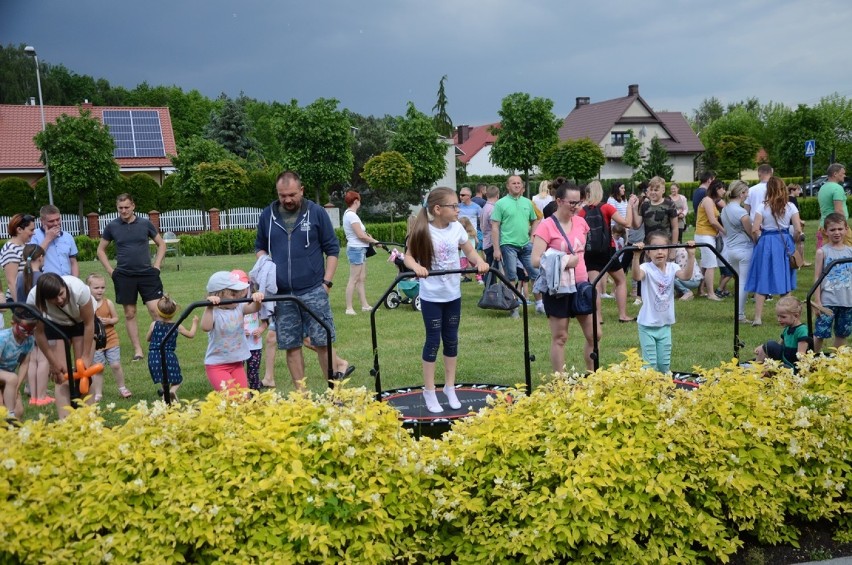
point(491, 344)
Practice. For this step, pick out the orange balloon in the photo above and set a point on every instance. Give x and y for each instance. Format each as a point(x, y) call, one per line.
point(84, 385)
point(82, 372)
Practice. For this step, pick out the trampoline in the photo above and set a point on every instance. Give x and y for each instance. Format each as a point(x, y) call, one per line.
point(408, 401)
point(681, 379)
point(809, 304)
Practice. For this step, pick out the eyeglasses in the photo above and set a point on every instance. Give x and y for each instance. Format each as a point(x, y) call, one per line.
point(464, 194)
point(453, 206)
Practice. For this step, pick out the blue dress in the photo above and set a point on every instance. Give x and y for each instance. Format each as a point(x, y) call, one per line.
point(770, 271)
point(154, 361)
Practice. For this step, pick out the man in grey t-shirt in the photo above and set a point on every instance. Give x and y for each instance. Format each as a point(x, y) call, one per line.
point(133, 275)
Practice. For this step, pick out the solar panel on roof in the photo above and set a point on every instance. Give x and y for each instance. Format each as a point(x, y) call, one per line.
point(137, 133)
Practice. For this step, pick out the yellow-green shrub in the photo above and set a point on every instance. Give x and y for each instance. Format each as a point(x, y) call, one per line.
point(623, 467)
point(270, 480)
point(617, 467)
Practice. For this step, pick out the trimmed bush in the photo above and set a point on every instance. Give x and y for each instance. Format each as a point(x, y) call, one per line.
point(616, 467)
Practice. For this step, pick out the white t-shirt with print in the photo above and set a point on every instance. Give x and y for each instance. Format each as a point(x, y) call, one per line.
point(657, 295)
point(445, 257)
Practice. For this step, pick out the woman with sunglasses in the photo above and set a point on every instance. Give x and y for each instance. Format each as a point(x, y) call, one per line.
point(21, 228)
point(67, 302)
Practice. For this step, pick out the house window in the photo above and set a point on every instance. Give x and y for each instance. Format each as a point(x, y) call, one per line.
point(619, 137)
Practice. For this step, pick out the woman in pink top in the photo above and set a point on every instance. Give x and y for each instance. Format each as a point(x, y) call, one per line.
point(558, 308)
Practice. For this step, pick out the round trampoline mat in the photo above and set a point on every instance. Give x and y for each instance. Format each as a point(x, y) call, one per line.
point(412, 408)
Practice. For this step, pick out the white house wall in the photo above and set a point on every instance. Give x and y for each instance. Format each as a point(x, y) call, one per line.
point(449, 178)
point(480, 164)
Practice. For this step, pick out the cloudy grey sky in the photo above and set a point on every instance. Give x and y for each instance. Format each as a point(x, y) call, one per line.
point(375, 55)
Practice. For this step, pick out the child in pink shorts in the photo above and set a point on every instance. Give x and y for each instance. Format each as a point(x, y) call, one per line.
point(227, 348)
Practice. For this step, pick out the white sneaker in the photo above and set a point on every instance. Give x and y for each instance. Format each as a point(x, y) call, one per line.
point(605, 295)
point(514, 314)
point(539, 308)
point(637, 302)
point(350, 312)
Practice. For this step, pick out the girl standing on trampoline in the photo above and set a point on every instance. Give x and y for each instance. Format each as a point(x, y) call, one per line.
point(433, 245)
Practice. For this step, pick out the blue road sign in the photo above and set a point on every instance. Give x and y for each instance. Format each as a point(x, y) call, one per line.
point(810, 148)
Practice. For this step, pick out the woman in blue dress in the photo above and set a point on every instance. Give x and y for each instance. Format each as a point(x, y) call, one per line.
point(166, 308)
point(770, 271)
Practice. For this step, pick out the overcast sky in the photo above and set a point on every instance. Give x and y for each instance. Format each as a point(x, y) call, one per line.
point(375, 55)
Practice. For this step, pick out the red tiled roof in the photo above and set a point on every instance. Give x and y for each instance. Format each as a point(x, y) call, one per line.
point(478, 137)
point(20, 124)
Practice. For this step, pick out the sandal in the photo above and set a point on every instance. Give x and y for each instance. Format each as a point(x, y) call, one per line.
point(98, 397)
point(124, 392)
point(136, 358)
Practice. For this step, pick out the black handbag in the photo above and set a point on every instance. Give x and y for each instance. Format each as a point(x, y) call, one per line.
point(581, 302)
point(371, 251)
point(496, 295)
point(100, 334)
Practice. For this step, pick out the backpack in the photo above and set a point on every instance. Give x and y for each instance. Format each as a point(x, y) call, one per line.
point(598, 239)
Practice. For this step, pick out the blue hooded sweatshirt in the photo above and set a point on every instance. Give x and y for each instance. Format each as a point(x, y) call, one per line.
point(298, 255)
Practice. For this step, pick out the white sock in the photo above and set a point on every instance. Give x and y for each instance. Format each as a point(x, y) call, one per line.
point(432, 401)
point(450, 391)
point(539, 303)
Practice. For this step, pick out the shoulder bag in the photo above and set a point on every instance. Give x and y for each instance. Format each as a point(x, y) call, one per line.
point(582, 302)
point(496, 295)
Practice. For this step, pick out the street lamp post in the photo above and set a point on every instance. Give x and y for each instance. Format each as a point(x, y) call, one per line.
point(30, 50)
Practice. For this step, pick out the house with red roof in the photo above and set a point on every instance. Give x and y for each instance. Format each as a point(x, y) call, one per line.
point(609, 123)
point(473, 148)
point(144, 138)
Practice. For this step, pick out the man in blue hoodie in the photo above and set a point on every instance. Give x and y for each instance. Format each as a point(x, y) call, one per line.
point(298, 236)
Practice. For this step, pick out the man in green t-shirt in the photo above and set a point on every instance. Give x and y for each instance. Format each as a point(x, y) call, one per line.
point(512, 221)
point(832, 197)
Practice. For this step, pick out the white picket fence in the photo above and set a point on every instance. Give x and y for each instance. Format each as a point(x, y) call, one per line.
point(178, 221)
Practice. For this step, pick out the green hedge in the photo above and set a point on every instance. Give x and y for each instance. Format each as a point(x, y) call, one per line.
point(616, 467)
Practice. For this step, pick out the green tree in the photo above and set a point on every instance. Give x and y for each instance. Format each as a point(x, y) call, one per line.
point(147, 193)
point(578, 159)
point(837, 111)
point(317, 143)
point(230, 128)
point(632, 156)
point(371, 136)
point(222, 183)
point(527, 128)
point(443, 122)
point(737, 152)
point(802, 124)
point(657, 163)
point(18, 196)
point(389, 174)
point(81, 159)
point(193, 153)
point(738, 122)
point(708, 111)
point(419, 143)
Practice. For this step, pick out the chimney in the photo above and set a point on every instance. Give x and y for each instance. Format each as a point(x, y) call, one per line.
point(633, 90)
point(582, 101)
point(32, 101)
point(463, 133)
point(86, 103)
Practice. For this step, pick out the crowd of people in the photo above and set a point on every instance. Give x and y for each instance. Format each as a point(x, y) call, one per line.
point(561, 239)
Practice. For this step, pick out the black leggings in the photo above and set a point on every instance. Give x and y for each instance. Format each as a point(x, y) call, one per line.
point(442, 323)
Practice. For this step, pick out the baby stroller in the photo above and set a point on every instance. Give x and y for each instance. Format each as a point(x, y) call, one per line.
point(407, 291)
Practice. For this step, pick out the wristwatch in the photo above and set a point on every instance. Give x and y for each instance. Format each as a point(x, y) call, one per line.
point(329, 284)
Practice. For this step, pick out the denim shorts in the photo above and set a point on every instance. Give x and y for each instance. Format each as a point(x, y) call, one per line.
point(292, 324)
point(108, 356)
point(356, 255)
